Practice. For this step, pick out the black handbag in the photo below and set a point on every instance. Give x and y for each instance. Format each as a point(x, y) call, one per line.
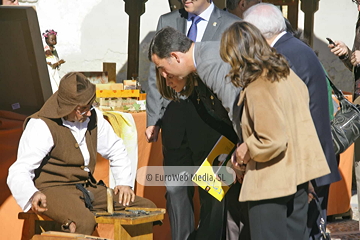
point(345, 127)
point(324, 235)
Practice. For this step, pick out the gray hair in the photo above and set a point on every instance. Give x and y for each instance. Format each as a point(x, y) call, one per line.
point(267, 18)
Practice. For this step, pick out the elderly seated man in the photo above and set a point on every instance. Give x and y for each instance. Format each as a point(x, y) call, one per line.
point(53, 173)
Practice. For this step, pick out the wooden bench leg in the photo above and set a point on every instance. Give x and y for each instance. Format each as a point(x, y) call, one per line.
point(30, 222)
point(33, 223)
point(143, 231)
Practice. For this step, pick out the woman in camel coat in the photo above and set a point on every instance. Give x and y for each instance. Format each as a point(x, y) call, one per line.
point(281, 151)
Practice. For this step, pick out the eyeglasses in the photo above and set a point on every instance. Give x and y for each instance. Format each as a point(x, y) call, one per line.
point(90, 109)
point(356, 1)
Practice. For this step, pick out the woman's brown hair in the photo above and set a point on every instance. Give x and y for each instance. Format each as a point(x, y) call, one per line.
point(250, 56)
point(169, 93)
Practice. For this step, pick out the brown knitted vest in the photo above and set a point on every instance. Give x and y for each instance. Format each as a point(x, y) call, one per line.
point(64, 165)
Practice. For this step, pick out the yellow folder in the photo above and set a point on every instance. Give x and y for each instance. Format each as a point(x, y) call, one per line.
point(213, 176)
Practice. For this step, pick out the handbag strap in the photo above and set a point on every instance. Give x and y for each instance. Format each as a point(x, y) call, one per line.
point(343, 101)
point(338, 92)
point(322, 220)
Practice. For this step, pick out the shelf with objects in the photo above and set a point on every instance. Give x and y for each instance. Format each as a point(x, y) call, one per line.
point(113, 97)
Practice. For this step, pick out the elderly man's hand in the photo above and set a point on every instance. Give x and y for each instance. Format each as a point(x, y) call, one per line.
point(38, 202)
point(126, 194)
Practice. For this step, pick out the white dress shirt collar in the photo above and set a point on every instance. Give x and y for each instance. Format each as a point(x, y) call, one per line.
point(201, 26)
point(277, 38)
point(205, 14)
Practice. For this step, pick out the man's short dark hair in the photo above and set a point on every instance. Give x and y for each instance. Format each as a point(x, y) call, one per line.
point(168, 40)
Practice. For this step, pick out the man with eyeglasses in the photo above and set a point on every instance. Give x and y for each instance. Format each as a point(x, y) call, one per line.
point(351, 59)
point(53, 173)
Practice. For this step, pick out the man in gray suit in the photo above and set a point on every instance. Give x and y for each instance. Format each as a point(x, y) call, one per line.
point(186, 138)
point(175, 55)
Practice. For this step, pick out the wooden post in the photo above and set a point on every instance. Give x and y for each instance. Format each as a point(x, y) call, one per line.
point(134, 8)
point(110, 68)
point(293, 13)
point(309, 7)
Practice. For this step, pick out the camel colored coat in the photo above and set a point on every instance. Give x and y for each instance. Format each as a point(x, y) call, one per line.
point(280, 134)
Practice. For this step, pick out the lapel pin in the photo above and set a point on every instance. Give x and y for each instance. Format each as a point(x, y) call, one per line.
point(214, 24)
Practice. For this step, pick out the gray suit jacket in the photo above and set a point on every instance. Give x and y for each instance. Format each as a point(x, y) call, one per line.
point(218, 22)
point(212, 71)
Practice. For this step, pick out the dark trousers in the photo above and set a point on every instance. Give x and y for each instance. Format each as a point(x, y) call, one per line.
point(313, 213)
point(179, 201)
point(237, 215)
point(280, 218)
point(179, 205)
point(65, 205)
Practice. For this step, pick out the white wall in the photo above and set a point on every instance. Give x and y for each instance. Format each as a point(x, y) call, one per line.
point(91, 32)
point(335, 19)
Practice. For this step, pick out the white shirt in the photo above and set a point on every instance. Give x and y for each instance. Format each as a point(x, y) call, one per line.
point(36, 142)
point(201, 26)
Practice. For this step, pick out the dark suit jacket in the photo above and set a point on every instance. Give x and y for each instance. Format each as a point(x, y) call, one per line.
point(175, 119)
point(306, 65)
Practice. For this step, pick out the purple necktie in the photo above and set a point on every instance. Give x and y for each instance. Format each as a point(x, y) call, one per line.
point(193, 28)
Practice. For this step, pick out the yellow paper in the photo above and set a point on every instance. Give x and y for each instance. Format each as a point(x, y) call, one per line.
point(205, 176)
